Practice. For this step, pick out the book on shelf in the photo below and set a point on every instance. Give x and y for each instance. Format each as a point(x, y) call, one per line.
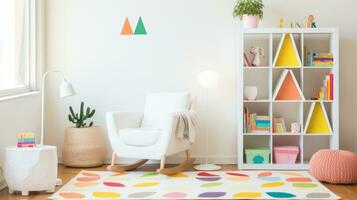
point(319, 59)
point(326, 91)
point(253, 123)
point(279, 125)
point(247, 62)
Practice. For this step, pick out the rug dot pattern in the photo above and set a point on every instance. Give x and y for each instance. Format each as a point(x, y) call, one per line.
point(194, 185)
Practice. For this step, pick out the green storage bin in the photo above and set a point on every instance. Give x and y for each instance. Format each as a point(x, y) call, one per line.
point(257, 155)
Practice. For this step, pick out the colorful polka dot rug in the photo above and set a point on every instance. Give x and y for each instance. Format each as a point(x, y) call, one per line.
point(194, 185)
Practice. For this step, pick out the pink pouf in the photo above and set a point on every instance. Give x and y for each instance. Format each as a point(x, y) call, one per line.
point(334, 166)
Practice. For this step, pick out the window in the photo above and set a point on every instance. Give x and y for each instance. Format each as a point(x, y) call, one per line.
point(15, 47)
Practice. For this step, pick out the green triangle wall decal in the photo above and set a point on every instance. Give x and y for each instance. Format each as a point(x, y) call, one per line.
point(140, 28)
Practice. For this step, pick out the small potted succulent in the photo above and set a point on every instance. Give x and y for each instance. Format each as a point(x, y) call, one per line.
point(84, 144)
point(250, 11)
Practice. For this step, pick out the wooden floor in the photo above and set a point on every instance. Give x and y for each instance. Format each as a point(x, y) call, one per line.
point(347, 192)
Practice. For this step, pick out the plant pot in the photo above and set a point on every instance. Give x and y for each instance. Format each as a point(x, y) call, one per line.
point(250, 21)
point(83, 147)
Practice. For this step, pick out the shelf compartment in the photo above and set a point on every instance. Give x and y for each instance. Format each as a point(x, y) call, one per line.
point(287, 140)
point(314, 144)
point(262, 108)
point(316, 43)
point(287, 85)
point(296, 42)
point(313, 81)
point(290, 111)
point(257, 141)
point(259, 79)
point(257, 40)
point(327, 106)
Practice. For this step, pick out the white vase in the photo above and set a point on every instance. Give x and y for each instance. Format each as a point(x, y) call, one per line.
point(250, 92)
point(250, 21)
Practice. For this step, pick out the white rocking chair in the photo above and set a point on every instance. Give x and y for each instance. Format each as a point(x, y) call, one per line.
point(149, 134)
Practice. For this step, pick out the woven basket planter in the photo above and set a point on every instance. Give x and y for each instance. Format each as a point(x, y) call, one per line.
point(84, 147)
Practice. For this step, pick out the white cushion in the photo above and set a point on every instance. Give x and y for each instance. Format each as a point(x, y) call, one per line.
point(160, 106)
point(139, 137)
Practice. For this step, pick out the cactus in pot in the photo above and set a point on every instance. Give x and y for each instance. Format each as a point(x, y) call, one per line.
point(84, 144)
point(79, 120)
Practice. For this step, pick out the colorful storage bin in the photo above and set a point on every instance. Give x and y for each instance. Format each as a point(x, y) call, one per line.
point(257, 155)
point(286, 154)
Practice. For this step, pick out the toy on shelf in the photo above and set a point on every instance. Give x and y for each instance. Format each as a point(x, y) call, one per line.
point(295, 127)
point(281, 22)
point(258, 53)
point(26, 140)
point(296, 25)
point(257, 155)
point(310, 23)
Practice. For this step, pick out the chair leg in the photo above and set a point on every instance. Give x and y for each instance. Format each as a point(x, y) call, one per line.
point(162, 163)
point(113, 159)
point(188, 155)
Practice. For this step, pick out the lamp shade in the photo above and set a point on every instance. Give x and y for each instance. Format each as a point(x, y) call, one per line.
point(208, 79)
point(66, 89)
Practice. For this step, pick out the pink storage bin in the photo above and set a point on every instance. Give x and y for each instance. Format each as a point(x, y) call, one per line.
point(286, 154)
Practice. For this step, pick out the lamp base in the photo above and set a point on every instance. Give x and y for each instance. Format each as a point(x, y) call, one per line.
point(207, 167)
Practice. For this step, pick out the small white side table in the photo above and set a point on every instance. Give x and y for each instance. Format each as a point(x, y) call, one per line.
point(31, 169)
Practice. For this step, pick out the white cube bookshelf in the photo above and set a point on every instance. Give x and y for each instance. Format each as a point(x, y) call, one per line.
point(309, 79)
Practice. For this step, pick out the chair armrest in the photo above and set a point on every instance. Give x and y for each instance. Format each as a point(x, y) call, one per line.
point(121, 120)
point(172, 124)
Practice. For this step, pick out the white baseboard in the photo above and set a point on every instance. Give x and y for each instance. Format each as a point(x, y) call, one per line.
point(176, 160)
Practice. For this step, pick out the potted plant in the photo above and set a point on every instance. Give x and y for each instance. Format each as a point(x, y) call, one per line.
point(84, 144)
point(250, 11)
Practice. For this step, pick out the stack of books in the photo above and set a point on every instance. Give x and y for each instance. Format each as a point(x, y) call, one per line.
point(319, 59)
point(26, 140)
point(326, 91)
point(254, 123)
point(279, 125)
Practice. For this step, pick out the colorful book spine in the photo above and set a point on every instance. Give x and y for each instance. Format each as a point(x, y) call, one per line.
point(279, 125)
point(326, 92)
point(320, 59)
point(257, 123)
point(331, 86)
point(26, 140)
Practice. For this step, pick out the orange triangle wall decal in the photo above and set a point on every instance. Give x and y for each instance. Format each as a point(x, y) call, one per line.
point(289, 90)
point(127, 30)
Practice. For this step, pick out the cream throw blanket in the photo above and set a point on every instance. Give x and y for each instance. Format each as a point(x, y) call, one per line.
point(186, 126)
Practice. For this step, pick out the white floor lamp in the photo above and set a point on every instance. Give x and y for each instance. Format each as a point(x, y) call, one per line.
point(207, 79)
point(66, 90)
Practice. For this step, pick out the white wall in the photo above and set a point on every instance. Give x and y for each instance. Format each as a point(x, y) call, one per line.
point(16, 116)
point(113, 72)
